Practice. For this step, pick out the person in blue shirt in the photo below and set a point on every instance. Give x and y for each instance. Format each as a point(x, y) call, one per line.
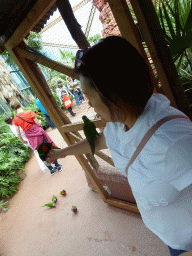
point(40, 106)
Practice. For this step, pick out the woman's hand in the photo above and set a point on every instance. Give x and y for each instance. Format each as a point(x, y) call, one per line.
point(54, 154)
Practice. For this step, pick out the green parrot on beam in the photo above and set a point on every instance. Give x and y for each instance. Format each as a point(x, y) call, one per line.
point(90, 132)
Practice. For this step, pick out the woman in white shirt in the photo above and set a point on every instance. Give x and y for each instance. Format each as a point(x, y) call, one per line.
point(116, 81)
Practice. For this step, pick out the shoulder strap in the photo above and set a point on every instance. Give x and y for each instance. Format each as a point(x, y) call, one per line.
point(148, 136)
point(24, 119)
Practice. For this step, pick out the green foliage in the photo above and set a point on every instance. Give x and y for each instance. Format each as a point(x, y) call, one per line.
point(94, 39)
point(68, 57)
point(4, 205)
point(58, 101)
point(8, 59)
point(175, 17)
point(13, 155)
point(34, 41)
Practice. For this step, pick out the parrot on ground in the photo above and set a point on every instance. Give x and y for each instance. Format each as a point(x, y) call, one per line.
point(74, 208)
point(54, 199)
point(43, 149)
point(90, 132)
point(63, 192)
point(51, 204)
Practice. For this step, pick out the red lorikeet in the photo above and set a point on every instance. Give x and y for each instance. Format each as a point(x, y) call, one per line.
point(43, 149)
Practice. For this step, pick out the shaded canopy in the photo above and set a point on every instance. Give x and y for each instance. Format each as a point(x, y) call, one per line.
point(12, 13)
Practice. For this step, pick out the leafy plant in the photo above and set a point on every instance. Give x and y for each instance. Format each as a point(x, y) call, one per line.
point(58, 101)
point(94, 39)
point(176, 20)
point(4, 205)
point(13, 155)
point(68, 57)
point(33, 40)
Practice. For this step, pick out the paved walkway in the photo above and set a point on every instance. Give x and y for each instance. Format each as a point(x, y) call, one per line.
point(28, 229)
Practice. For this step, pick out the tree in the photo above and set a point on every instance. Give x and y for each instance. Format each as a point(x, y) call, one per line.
point(67, 57)
point(8, 89)
point(94, 39)
point(33, 40)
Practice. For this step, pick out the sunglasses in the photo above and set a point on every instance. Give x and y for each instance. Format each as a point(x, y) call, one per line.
point(79, 55)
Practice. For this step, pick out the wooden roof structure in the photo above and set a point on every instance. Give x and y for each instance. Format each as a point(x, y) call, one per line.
point(33, 18)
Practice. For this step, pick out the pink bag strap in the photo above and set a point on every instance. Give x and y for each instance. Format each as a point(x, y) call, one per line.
point(148, 136)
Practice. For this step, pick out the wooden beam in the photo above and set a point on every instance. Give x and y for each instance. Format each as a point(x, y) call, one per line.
point(130, 32)
point(33, 17)
point(106, 158)
point(48, 63)
point(154, 38)
point(54, 22)
point(79, 126)
point(73, 26)
point(121, 14)
point(61, 45)
point(123, 205)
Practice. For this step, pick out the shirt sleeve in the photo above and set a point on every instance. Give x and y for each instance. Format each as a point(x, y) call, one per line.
point(178, 163)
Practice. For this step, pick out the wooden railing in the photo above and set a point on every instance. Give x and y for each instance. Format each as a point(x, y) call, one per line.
point(71, 129)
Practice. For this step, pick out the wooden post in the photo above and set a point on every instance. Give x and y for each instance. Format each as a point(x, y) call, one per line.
point(48, 62)
point(123, 205)
point(72, 24)
point(130, 32)
point(154, 38)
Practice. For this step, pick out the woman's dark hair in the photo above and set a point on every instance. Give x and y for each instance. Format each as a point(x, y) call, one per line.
point(15, 105)
point(119, 73)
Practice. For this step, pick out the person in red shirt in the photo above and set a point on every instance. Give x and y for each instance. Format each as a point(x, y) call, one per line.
point(33, 131)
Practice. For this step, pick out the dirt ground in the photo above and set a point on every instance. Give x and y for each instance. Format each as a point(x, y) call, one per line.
point(28, 229)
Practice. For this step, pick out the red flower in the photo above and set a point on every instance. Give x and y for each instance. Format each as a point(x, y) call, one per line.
point(44, 148)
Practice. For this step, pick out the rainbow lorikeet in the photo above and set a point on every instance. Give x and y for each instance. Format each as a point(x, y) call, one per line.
point(51, 204)
point(54, 199)
point(43, 149)
point(74, 208)
point(63, 192)
point(90, 132)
